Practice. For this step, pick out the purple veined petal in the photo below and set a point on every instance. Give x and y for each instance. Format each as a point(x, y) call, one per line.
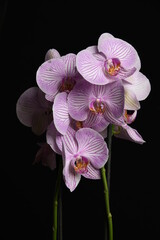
point(28, 106)
point(140, 85)
point(50, 74)
point(114, 98)
point(95, 121)
point(128, 133)
point(70, 64)
point(131, 102)
point(60, 112)
point(70, 143)
point(101, 126)
point(51, 137)
point(51, 53)
point(91, 68)
point(78, 103)
point(46, 156)
point(92, 146)
point(71, 177)
point(110, 118)
point(92, 173)
point(117, 48)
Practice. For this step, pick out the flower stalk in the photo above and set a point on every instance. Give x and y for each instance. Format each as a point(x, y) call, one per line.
point(106, 196)
point(56, 202)
point(109, 144)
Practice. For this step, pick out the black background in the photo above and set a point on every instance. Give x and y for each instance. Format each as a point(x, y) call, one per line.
point(28, 30)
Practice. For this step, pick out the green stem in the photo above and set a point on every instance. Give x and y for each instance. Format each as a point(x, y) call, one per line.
point(55, 203)
point(109, 144)
point(106, 196)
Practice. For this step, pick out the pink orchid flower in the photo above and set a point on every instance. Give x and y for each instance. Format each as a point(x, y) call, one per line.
point(102, 103)
point(112, 59)
point(34, 111)
point(58, 74)
point(84, 153)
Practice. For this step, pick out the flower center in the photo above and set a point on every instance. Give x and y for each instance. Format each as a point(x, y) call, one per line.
point(112, 66)
point(80, 165)
point(67, 84)
point(129, 116)
point(97, 106)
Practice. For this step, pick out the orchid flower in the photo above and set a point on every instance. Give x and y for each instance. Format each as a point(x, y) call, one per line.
point(111, 60)
point(58, 74)
point(101, 102)
point(34, 111)
point(85, 152)
point(46, 156)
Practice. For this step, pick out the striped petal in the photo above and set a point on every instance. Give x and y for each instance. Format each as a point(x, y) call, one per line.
point(91, 68)
point(128, 133)
point(114, 98)
point(70, 143)
point(71, 178)
point(70, 64)
point(117, 48)
point(60, 113)
point(92, 173)
point(92, 146)
point(50, 74)
point(78, 103)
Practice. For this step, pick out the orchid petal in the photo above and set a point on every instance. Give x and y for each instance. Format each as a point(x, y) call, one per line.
point(95, 121)
point(78, 105)
point(131, 102)
point(51, 53)
point(51, 136)
point(140, 85)
point(117, 48)
point(70, 143)
point(60, 113)
point(92, 145)
point(50, 74)
point(92, 49)
point(90, 68)
point(92, 173)
point(40, 123)
point(71, 178)
point(114, 98)
point(131, 134)
point(70, 64)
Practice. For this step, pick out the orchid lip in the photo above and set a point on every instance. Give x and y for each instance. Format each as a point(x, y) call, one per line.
point(112, 66)
point(129, 116)
point(67, 84)
point(80, 164)
point(97, 106)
